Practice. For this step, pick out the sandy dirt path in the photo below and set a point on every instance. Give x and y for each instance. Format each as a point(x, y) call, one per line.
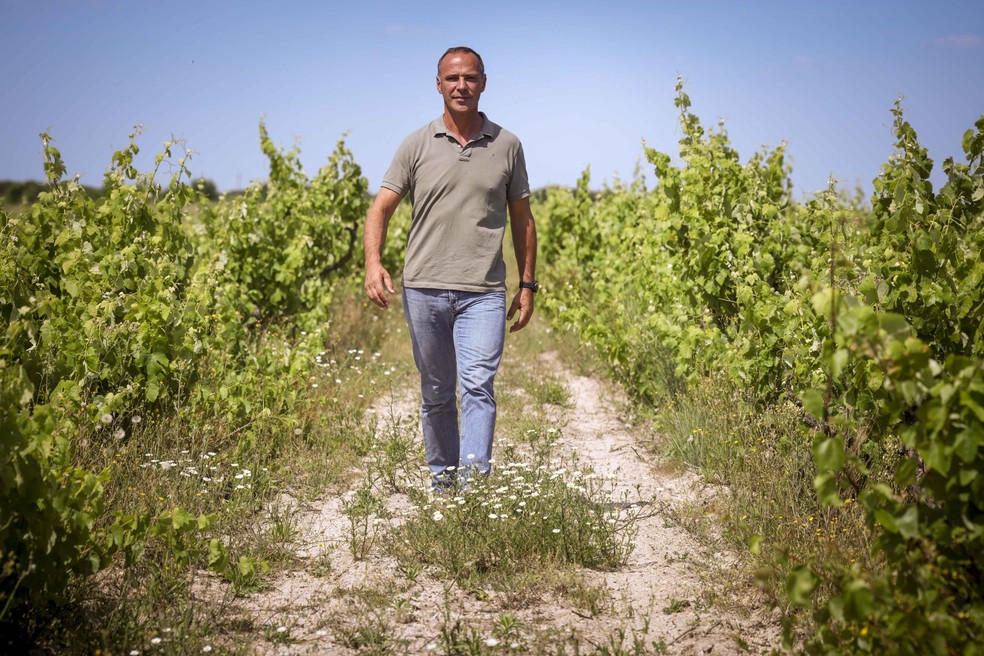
point(669, 579)
point(664, 599)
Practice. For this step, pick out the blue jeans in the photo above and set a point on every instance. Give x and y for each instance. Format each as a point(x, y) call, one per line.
point(457, 339)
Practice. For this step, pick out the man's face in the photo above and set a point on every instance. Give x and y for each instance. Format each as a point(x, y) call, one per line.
point(461, 82)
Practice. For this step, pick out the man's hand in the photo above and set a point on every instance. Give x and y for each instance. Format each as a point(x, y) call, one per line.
point(524, 242)
point(378, 282)
point(522, 301)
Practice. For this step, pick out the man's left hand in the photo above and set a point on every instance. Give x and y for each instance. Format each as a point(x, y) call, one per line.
point(522, 301)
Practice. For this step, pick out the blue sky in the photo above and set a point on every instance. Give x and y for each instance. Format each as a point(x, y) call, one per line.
point(579, 82)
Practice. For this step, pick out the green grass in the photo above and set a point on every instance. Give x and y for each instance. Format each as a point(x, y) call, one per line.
point(491, 543)
point(766, 506)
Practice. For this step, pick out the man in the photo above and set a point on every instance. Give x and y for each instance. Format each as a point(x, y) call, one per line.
point(461, 172)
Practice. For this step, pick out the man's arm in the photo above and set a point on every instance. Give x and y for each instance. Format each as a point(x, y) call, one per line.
point(524, 243)
point(378, 280)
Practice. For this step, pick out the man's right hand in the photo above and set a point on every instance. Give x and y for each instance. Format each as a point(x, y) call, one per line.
point(378, 282)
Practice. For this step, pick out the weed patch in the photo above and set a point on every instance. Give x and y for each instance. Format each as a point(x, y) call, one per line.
point(515, 520)
point(766, 505)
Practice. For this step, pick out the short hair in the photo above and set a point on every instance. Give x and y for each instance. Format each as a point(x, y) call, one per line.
point(461, 50)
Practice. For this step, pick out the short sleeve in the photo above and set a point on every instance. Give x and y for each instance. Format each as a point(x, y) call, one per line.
point(397, 177)
point(519, 183)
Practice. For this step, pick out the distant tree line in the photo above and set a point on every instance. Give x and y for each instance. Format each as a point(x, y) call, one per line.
point(26, 192)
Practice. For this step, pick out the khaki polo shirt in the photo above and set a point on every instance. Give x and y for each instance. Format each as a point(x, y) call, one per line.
point(459, 194)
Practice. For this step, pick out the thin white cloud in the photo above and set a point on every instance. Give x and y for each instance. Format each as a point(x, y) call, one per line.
point(961, 41)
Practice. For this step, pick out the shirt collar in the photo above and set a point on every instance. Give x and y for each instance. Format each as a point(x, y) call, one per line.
point(440, 130)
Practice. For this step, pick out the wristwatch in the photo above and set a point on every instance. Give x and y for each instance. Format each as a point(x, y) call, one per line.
point(535, 286)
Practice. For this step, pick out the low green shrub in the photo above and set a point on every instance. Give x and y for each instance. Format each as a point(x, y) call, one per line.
point(153, 304)
point(858, 329)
